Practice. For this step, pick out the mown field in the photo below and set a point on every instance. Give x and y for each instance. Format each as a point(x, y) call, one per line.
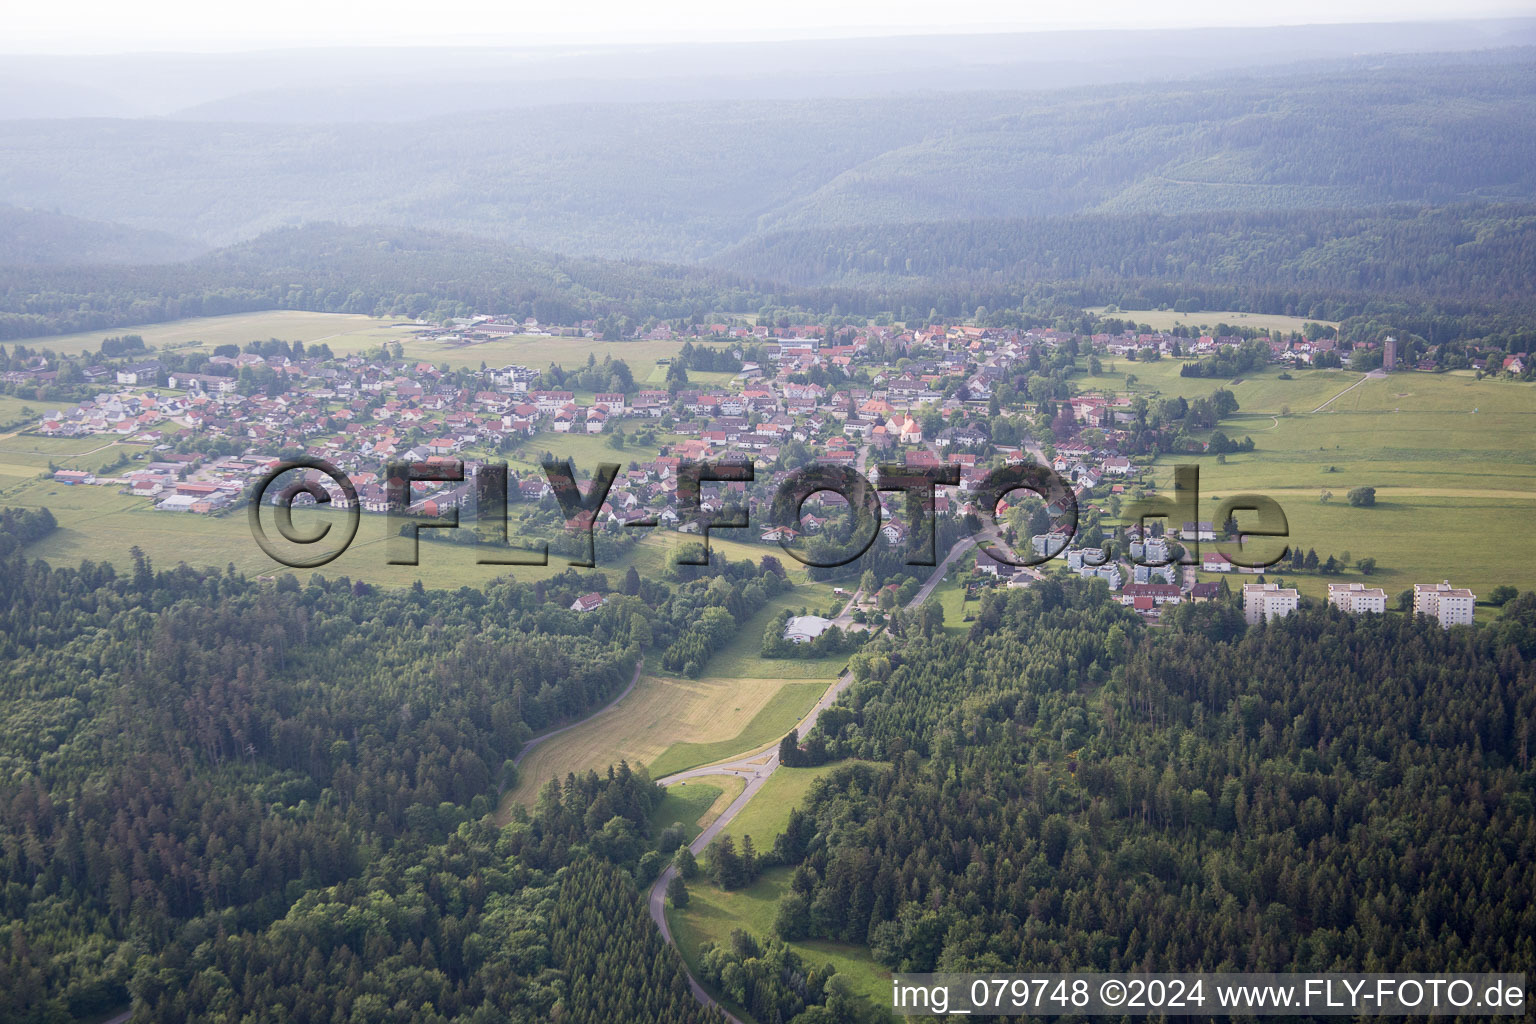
point(24, 457)
point(349, 332)
point(1263, 392)
point(743, 702)
point(696, 804)
point(343, 332)
point(659, 712)
point(1205, 321)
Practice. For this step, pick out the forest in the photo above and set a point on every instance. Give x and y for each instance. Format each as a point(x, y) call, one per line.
point(1443, 274)
point(214, 786)
point(1322, 793)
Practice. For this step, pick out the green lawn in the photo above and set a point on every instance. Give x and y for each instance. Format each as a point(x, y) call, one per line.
point(19, 412)
point(742, 658)
point(586, 450)
point(1262, 392)
point(347, 333)
point(951, 597)
point(767, 813)
point(100, 524)
point(537, 352)
point(712, 913)
point(689, 802)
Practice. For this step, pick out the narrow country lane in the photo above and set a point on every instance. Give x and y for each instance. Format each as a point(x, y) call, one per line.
point(757, 768)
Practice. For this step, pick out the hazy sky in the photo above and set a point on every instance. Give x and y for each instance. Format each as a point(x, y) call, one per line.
point(116, 26)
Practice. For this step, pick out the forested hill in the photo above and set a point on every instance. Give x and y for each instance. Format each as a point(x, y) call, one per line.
point(684, 181)
point(1324, 793)
point(1443, 273)
point(33, 237)
point(341, 269)
point(1462, 253)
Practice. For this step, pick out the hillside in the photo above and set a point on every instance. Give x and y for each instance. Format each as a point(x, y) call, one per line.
point(685, 181)
point(34, 238)
point(334, 268)
point(1481, 252)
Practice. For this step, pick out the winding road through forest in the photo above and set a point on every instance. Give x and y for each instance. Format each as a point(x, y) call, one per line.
point(758, 767)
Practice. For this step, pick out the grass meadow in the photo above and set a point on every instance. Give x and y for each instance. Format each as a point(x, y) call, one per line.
point(1450, 458)
point(712, 913)
point(348, 333)
point(743, 702)
point(1167, 319)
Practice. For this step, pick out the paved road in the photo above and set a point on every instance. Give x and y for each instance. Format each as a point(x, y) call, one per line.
point(758, 767)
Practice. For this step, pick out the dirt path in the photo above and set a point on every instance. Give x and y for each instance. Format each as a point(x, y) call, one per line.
point(501, 812)
point(1373, 375)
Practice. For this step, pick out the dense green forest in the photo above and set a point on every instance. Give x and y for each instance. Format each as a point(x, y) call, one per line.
point(1440, 273)
point(1325, 792)
point(202, 773)
point(338, 269)
point(684, 181)
point(1328, 264)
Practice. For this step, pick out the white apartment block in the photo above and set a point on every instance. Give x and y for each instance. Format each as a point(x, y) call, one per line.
point(1357, 597)
point(1451, 605)
point(1265, 601)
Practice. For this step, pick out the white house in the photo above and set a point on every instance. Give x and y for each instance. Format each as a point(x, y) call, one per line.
point(1453, 606)
point(1357, 597)
point(804, 628)
point(1265, 601)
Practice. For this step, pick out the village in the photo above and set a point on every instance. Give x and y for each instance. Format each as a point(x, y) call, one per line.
point(780, 397)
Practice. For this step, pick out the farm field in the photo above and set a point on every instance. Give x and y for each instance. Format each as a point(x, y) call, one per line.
point(17, 412)
point(658, 712)
point(536, 351)
point(669, 724)
point(343, 332)
point(347, 333)
point(24, 456)
point(782, 713)
point(100, 524)
point(1167, 319)
point(1450, 459)
point(1261, 392)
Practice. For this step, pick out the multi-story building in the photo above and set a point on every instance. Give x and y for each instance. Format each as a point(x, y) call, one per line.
point(1265, 601)
point(1357, 597)
point(1453, 606)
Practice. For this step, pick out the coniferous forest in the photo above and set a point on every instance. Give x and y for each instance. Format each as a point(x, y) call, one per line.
point(244, 800)
point(258, 800)
point(1322, 793)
